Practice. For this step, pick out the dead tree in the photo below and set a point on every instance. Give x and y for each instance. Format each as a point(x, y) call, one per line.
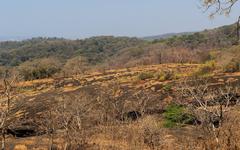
point(238, 30)
point(219, 6)
point(3, 117)
point(7, 107)
point(51, 127)
point(143, 99)
point(68, 114)
point(8, 82)
point(9, 118)
point(208, 103)
point(110, 102)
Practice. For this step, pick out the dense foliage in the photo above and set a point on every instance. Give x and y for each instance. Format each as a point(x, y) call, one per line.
point(39, 68)
point(99, 49)
point(108, 52)
point(96, 49)
point(220, 37)
point(177, 114)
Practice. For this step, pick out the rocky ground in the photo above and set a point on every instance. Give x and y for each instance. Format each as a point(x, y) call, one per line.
point(40, 95)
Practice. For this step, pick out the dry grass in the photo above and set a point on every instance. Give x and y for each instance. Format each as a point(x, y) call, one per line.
point(144, 134)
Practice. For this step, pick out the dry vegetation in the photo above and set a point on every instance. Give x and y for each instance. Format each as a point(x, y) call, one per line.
point(178, 93)
point(168, 106)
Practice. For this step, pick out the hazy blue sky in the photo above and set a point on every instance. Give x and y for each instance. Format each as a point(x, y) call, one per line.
point(85, 18)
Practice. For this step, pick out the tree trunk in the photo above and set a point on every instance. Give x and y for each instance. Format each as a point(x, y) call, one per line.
point(8, 103)
point(238, 28)
point(221, 114)
point(3, 140)
point(51, 142)
point(160, 58)
point(66, 146)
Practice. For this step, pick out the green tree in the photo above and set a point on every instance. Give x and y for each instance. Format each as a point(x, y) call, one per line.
point(39, 68)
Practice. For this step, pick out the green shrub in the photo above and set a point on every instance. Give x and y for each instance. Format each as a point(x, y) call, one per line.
point(206, 69)
point(165, 75)
point(232, 66)
point(145, 75)
point(167, 87)
point(176, 115)
point(39, 69)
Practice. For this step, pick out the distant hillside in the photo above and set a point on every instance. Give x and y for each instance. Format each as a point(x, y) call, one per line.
point(12, 38)
point(220, 37)
point(96, 49)
point(120, 51)
point(165, 36)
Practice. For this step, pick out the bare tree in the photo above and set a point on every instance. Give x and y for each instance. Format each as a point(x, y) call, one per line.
point(70, 121)
point(219, 6)
point(8, 83)
point(48, 125)
point(7, 107)
point(75, 66)
point(238, 30)
point(3, 117)
point(69, 113)
point(209, 103)
point(9, 118)
point(111, 102)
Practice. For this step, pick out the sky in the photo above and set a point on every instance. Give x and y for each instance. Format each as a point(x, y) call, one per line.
point(85, 18)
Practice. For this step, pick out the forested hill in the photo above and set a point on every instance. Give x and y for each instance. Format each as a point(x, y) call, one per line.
point(166, 36)
point(224, 36)
point(96, 49)
point(99, 49)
